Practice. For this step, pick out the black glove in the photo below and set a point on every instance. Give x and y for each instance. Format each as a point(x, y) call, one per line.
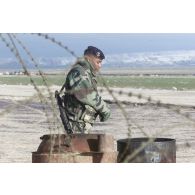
point(104, 116)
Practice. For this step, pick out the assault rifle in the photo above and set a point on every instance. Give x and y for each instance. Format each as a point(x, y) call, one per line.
point(63, 114)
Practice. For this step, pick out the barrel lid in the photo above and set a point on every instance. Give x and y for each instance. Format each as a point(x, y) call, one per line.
point(146, 139)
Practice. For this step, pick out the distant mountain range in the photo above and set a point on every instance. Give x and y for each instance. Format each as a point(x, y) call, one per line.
point(171, 59)
point(153, 59)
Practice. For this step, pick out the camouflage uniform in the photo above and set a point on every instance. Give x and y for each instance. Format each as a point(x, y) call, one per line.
point(82, 101)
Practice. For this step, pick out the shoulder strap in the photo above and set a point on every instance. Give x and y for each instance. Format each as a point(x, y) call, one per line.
point(74, 66)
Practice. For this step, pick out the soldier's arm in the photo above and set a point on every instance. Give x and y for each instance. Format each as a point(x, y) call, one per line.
point(82, 88)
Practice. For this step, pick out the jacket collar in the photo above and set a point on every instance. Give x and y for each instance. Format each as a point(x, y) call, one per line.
point(86, 64)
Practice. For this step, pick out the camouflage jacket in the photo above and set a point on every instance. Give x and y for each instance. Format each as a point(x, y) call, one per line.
point(82, 100)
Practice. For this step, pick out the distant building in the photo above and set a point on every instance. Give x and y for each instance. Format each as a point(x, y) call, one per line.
point(13, 73)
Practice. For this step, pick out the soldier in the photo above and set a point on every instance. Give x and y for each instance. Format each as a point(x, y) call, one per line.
point(82, 100)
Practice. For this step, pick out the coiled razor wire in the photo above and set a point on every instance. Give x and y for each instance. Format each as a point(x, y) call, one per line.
point(42, 98)
point(59, 43)
point(13, 48)
point(51, 95)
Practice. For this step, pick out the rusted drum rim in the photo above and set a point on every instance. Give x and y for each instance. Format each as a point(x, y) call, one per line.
point(145, 139)
point(49, 136)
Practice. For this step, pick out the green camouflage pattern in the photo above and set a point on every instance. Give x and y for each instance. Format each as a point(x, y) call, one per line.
point(82, 100)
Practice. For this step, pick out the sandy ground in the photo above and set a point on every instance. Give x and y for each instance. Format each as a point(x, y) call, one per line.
point(23, 120)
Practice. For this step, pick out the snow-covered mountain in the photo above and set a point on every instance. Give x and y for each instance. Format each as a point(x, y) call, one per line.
point(151, 59)
point(169, 59)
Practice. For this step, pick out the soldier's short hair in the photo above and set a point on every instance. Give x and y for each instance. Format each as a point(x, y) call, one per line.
point(95, 52)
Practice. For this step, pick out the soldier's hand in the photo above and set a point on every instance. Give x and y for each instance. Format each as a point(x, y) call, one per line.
point(104, 116)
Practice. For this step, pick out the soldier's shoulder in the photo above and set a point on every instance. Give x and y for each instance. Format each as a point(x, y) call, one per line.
point(78, 68)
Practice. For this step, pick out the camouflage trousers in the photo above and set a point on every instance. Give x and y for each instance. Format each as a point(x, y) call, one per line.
point(81, 127)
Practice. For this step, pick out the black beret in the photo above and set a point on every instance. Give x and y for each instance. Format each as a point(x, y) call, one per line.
point(94, 51)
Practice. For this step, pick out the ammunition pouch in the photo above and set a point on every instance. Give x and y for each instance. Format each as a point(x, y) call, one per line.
point(89, 115)
point(77, 111)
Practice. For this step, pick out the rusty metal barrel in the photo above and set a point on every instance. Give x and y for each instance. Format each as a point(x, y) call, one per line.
point(79, 148)
point(146, 150)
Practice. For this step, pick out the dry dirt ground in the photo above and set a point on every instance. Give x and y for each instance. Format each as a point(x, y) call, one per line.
point(23, 120)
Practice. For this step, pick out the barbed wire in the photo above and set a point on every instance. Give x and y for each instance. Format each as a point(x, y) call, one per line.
point(16, 104)
point(59, 43)
point(15, 51)
point(42, 98)
point(8, 109)
point(124, 113)
point(51, 95)
point(158, 103)
point(110, 91)
point(175, 108)
point(53, 40)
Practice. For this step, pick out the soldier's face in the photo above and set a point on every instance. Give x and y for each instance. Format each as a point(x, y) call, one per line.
point(97, 63)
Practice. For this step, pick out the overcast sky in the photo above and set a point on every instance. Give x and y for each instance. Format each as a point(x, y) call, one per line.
point(109, 43)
